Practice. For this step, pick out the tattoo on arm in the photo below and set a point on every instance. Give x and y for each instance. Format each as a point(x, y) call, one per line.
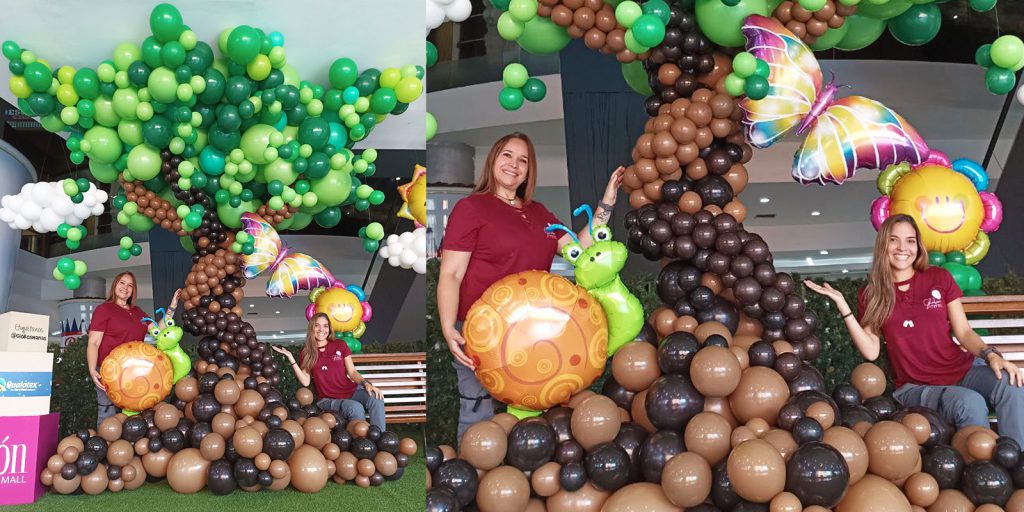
point(602, 216)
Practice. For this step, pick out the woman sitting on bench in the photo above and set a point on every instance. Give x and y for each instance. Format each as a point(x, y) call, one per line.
point(338, 384)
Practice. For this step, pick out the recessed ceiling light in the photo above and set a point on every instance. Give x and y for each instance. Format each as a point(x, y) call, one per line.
point(277, 312)
point(823, 251)
point(252, 305)
point(764, 200)
point(846, 271)
point(810, 261)
point(815, 213)
point(280, 332)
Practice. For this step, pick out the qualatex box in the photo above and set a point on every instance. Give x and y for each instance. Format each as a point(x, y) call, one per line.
point(25, 383)
point(26, 443)
point(23, 332)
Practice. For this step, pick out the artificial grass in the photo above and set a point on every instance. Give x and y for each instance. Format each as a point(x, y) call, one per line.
point(406, 494)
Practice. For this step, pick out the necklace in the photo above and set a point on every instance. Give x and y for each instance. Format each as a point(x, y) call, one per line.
point(511, 202)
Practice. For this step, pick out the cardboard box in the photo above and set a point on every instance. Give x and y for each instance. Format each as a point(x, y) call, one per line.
point(26, 443)
point(25, 382)
point(24, 332)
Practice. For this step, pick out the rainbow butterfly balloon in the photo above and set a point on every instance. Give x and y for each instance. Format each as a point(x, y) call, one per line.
point(842, 135)
point(291, 271)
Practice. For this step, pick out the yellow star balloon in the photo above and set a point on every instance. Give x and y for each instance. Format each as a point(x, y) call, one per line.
point(415, 195)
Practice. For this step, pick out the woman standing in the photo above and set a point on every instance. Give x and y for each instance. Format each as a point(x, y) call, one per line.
point(915, 308)
point(115, 322)
point(495, 232)
point(339, 385)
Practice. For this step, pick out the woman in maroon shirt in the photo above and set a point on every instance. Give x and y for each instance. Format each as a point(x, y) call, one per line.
point(915, 307)
point(116, 321)
point(338, 384)
point(495, 232)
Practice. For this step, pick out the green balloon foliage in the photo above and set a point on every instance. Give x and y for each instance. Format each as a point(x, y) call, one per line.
point(917, 25)
point(541, 36)
point(862, 31)
point(722, 23)
point(636, 77)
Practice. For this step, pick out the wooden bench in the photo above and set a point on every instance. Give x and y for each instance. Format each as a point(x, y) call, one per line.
point(1008, 311)
point(402, 377)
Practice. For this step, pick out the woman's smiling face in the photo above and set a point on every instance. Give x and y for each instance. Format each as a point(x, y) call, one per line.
point(512, 166)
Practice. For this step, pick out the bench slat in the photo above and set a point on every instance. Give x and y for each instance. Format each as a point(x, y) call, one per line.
point(402, 378)
point(997, 323)
point(1007, 339)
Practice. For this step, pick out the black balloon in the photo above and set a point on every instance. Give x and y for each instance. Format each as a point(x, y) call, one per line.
point(343, 438)
point(747, 290)
point(676, 352)
point(569, 451)
point(808, 379)
point(389, 442)
point(716, 340)
point(722, 492)
point(845, 394)
point(611, 389)
point(817, 474)
point(787, 365)
point(173, 440)
point(133, 429)
point(558, 418)
point(205, 406)
point(572, 476)
point(671, 401)
point(278, 444)
point(441, 499)
point(807, 430)
point(87, 462)
point(608, 466)
point(531, 443)
point(220, 478)
point(854, 414)
point(631, 438)
point(363, 448)
point(246, 473)
point(459, 477)
point(1007, 453)
point(713, 189)
point(656, 451)
point(434, 457)
point(985, 482)
point(882, 406)
point(721, 311)
point(945, 464)
point(789, 415)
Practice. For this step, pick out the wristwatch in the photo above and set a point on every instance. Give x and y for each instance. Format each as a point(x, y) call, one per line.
point(987, 351)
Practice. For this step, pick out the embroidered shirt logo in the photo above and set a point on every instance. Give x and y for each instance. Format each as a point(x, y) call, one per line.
point(908, 323)
point(935, 301)
point(337, 355)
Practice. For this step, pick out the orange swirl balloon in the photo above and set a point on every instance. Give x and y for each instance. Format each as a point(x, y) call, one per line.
point(536, 339)
point(137, 376)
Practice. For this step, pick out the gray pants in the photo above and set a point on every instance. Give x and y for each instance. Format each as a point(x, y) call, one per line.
point(968, 402)
point(356, 407)
point(475, 403)
point(106, 407)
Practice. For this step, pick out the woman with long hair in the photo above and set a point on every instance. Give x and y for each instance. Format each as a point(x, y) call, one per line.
point(915, 307)
point(497, 231)
point(116, 321)
point(339, 385)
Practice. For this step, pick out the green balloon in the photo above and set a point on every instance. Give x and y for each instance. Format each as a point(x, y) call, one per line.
point(300, 220)
point(883, 11)
point(329, 218)
point(165, 22)
point(862, 32)
point(535, 90)
point(105, 146)
point(1007, 51)
point(956, 257)
point(982, 5)
point(734, 85)
point(658, 8)
point(144, 162)
point(983, 56)
point(66, 266)
point(140, 223)
point(541, 36)
point(523, 10)
point(431, 123)
point(431, 54)
point(343, 73)
point(917, 25)
point(832, 36)
point(636, 77)
point(510, 99)
point(383, 100)
point(280, 170)
point(255, 142)
point(936, 258)
point(243, 44)
point(72, 282)
point(999, 80)
point(162, 85)
point(232, 216)
point(722, 24)
point(333, 188)
point(510, 28)
point(42, 104)
point(756, 88)
point(744, 64)
point(86, 83)
point(648, 30)
point(131, 132)
point(371, 246)
point(515, 75)
point(38, 77)
point(627, 13)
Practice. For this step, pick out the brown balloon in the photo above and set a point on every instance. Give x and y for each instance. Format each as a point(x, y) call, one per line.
point(852, 447)
point(596, 420)
point(578, 398)
point(318, 434)
point(635, 365)
point(155, 463)
point(873, 493)
point(760, 394)
point(544, 479)
point(586, 499)
point(223, 424)
point(690, 202)
point(1016, 501)
point(503, 489)
point(295, 429)
point(980, 445)
point(952, 500)
point(892, 450)
point(919, 425)
point(346, 466)
point(227, 392)
point(308, 468)
point(96, 482)
point(823, 413)
point(110, 430)
point(869, 380)
point(645, 496)
point(715, 372)
point(249, 402)
point(247, 442)
point(365, 467)
point(385, 463)
point(62, 486)
point(756, 470)
point(721, 407)
point(708, 328)
point(166, 417)
point(186, 471)
point(921, 489)
point(505, 420)
point(686, 479)
point(484, 445)
point(685, 323)
point(304, 396)
point(708, 435)
point(785, 502)
point(119, 453)
point(70, 442)
point(740, 435)
point(638, 411)
point(662, 321)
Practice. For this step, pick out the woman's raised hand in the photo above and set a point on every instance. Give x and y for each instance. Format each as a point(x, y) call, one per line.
point(611, 191)
point(827, 290)
point(283, 351)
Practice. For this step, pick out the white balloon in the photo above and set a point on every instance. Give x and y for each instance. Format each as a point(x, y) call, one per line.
point(441, 2)
point(7, 216)
point(406, 238)
point(23, 223)
point(395, 260)
point(392, 239)
point(1020, 95)
point(408, 258)
point(31, 211)
point(419, 246)
point(63, 207)
point(435, 15)
point(82, 212)
point(97, 209)
point(420, 267)
point(41, 193)
point(384, 252)
point(459, 10)
point(49, 218)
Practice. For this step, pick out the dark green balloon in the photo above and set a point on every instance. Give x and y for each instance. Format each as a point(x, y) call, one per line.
point(235, 202)
point(86, 83)
point(362, 205)
point(275, 187)
point(328, 218)
point(17, 67)
point(983, 56)
point(274, 79)
point(222, 140)
point(248, 194)
point(158, 131)
point(501, 5)
point(370, 245)
point(936, 258)
point(762, 70)
point(332, 100)
point(237, 89)
point(370, 120)
point(138, 73)
point(38, 77)
point(42, 104)
point(228, 118)
point(136, 250)
point(314, 131)
point(108, 89)
point(151, 52)
point(215, 85)
point(534, 89)
point(999, 80)
point(917, 25)
point(301, 186)
point(366, 84)
point(956, 257)
point(431, 54)
point(199, 179)
point(383, 100)
point(400, 108)
point(756, 87)
point(183, 74)
point(318, 165)
point(222, 196)
point(157, 184)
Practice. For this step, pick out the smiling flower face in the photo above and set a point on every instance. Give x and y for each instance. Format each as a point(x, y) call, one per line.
point(342, 307)
point(945, 204)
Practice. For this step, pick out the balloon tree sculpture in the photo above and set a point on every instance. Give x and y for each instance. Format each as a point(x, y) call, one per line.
point(196, 142)
point(716, 405)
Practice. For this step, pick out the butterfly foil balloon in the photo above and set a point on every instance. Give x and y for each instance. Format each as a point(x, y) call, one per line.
point(290, 271)
point(842, 135)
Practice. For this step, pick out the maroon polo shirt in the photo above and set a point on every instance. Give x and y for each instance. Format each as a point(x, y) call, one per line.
point(504, 240)
point(118, 326)
point(917, 334)
point(329, 371)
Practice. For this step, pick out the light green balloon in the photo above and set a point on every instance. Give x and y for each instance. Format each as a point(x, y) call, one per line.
point(431, 125)
point(333, 188)
point(102, 172)
point(862, 32)
point(541, 36)
point(285, 224)
point(105, 145)
point(232, 217)
point(140, 223)
point(280, 170)
point(125, 102)
point(144, 162)
point(291, 76)
point(105, 114)
point(255, 141)
point(130, 132)
point(509, 28)
point(300, 220)
point(885, 10)
point(52, 123)
point(187, 244)
point(722, 24)
point(636, 77)
point(163, 87)
point(830, 38)
point(125, 54)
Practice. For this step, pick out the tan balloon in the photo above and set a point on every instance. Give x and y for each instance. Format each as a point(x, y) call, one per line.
point(186, 472)
point(852, 447)
point(756, 470)
point(119, 453)
point(869, 380)
point(708, 328)
point(980, 445)
point(639, 497)
point(783, 441)
point(62, 486)
point(686, 479)
point(892, 450)
point(707, 434)
point(760, 394)
point(248, 442)
point(308, 468)
point(952, 500)
point(484, 445)
point(919, 425)
point(1016, 501)
point(596, 420)
point(156, 462)
point(873, 494)
point(535, 505)
point(741, 434)
point(587, 499)
point(503, 489)
point(721, 407)
point(227, 392)
point(96, 482)
point(346, 466)
point(544, 479)
point(785, 502)
point(638, 411)
point(318, 434)
point(822, 412)
point(506, 421)
point(921, 489)
point(110, 430)
point(635, 365)
point(715, 372)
